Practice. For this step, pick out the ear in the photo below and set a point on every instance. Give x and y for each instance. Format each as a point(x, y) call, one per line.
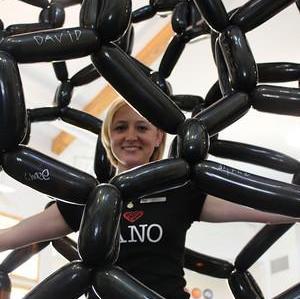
point(159, 137)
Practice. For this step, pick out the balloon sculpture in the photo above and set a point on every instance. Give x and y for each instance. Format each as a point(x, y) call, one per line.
point(106, 34)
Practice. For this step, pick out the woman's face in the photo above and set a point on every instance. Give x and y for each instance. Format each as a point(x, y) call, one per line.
point(132, 138)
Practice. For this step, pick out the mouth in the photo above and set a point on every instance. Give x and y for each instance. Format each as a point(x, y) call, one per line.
point(131, 148)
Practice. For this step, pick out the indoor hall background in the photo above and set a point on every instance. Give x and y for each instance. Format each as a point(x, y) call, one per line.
point(275, 41)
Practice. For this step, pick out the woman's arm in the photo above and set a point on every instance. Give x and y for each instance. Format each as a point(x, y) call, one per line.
point(219, 210)
point(46, 225)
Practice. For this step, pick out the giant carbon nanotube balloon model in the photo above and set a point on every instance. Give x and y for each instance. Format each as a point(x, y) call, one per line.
point(106, 34)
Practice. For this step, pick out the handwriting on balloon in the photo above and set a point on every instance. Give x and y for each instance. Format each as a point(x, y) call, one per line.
point(66, 36)
point(43, 175)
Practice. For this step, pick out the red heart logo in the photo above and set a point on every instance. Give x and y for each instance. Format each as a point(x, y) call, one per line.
point(133, 216)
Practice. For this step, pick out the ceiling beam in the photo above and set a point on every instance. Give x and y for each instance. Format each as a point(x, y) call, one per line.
point(148, 55)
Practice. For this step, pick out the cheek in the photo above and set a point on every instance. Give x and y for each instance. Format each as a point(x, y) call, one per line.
point(151, 141)
point(114, 145)
point(114, 140)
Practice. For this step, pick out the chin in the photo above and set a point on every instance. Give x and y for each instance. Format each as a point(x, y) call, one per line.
point(134, 163)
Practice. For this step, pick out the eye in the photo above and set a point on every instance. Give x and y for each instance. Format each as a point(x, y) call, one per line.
point(119, 128)
point(142, 128)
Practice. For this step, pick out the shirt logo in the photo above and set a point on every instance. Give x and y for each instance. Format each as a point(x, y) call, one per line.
point(133, 216)
point(143, 233)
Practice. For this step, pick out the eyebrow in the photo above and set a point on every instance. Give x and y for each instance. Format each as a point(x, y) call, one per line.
point(143, 122)
point(138, 122)
point(120, 121)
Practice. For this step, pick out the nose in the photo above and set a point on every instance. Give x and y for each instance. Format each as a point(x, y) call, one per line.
point(131, 134)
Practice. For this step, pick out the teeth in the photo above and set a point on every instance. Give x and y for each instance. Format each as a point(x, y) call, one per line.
point(131, 147)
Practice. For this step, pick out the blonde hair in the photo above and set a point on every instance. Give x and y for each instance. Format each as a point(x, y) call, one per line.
point(105, 133)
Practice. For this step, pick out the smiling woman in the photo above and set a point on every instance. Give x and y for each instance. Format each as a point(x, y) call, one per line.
point(130, 140)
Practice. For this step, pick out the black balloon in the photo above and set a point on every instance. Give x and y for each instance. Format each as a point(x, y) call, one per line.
point(291, 293)
point(12, 113)
point(91, 294)
point(187, 102)
point(213, 95)
point(88, 14)
point(58, 44)
point(164, 5)
point(254, 154)
point(117, 68)
point(197, 109)
point(248, 189)
point(81, 119)
point(224, 82)
point(298, 4)
point(67, 3)
point(19, 256)
point(48, 175)
point(259, 244)
point(255, 12)
point(171, 56)
point(224, 112)
point(276, 99)
point(143, 13)
point(23, 28)
point(254, 284)
point(125, 42)
point(161, 83)
point(61, 71)
point(180, 17)
point(69, 282)
point(85, 76)
point(67, 248)
point(54, 14)
point(195, 17)
point(43, 114)
point(102, 167)
point(239, 59)
point(213, 11)
point(213, 39)
point(193, 141)
point(63, 94)
point(39, 3)
point(152, 177)
point(99, 227)
point(192, 32)
point(242, 287)
point(114, 282)
point(26, 138)
point(113, 19)
point(207, 265)
point(278, 72)
point(144, 68)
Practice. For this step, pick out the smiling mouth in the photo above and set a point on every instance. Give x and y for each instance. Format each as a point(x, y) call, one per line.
point(131, 148)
